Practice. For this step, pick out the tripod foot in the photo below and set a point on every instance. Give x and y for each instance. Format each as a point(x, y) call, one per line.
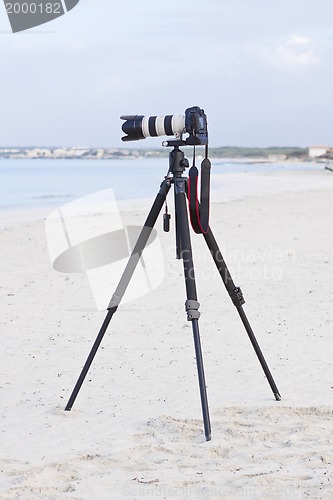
point(277, 396)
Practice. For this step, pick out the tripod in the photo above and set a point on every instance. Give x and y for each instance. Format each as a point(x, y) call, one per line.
point(177, 165)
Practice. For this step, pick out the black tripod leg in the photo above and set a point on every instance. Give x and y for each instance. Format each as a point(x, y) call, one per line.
point(191, 305)
point(238, 300)
point(123, 283)
point(90, 358)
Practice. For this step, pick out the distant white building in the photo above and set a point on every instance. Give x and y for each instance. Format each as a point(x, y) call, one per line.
point(316, 151)
point(38, 153)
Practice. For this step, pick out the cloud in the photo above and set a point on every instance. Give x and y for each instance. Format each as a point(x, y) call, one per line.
point(294, 53)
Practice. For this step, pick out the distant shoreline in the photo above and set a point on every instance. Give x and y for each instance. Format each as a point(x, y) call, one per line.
point(227, 153)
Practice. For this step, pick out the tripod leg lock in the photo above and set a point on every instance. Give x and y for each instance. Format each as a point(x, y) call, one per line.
point(192, 309)
point(237, 297)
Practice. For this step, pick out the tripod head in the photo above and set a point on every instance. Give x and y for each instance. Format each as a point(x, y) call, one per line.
point(177, 161)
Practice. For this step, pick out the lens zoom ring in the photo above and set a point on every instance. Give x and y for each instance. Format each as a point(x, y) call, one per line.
point(152, 127)
point(168, 125)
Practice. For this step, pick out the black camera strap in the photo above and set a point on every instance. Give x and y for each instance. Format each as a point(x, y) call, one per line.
point(199, 217)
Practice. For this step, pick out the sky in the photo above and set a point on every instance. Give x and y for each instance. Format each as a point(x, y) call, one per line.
point(261, 69)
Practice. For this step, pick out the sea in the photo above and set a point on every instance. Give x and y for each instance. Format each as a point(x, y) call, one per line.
point(32, 184)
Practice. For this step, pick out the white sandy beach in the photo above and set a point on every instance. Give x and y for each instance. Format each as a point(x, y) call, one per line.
point(136, 429)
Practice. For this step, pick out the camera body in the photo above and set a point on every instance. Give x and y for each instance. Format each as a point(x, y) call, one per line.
point(194, 123)
point(196, 126)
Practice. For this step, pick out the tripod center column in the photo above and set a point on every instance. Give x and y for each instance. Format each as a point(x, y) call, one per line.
point(186, 248)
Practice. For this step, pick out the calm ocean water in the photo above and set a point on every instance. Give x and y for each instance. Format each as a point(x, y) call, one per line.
point(27, 184)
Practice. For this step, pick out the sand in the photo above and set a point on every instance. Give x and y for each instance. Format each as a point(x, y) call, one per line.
point(136, 430)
